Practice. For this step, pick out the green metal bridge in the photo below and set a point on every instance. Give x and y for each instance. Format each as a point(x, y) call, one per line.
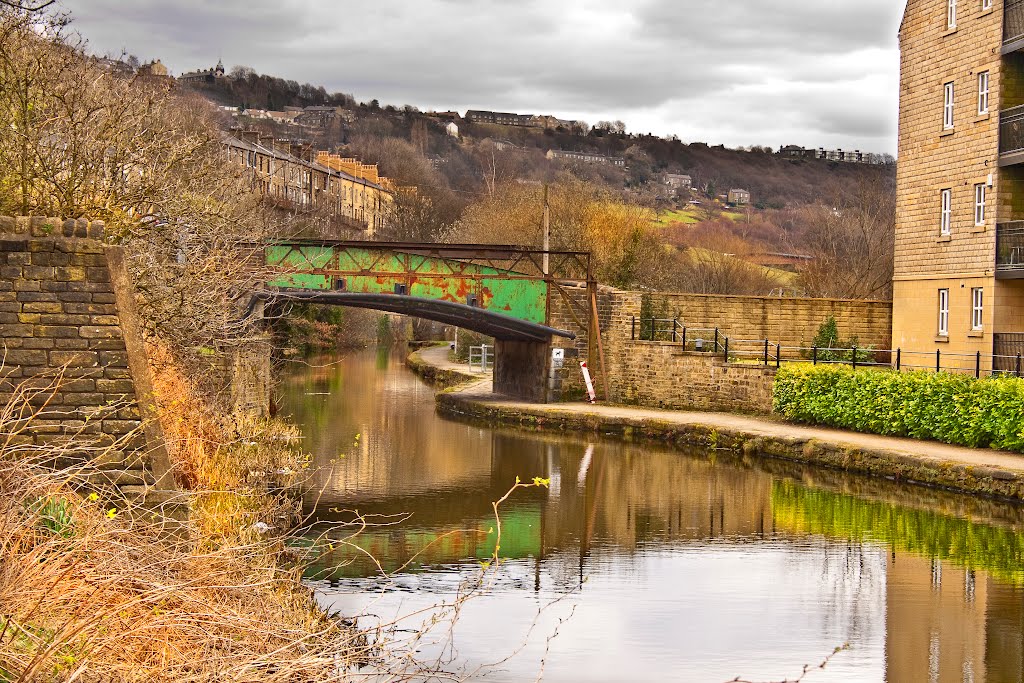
point(501, 291)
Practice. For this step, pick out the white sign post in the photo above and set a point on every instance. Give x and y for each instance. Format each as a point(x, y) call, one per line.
point(590, 382)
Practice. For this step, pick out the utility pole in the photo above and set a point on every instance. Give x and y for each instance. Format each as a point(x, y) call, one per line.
point(547, 233)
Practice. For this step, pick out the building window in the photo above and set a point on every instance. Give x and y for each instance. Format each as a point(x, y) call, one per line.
point(951, 14)
point(947, 107)
point(943, 312)
point(977, 308)
point(983, 93)
point(979, 204)
point(986, 5)
point(947, 212)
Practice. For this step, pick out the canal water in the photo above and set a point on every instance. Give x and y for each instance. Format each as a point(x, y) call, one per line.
point(639, 563)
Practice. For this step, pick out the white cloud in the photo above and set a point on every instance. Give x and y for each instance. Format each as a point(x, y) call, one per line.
point(743, 72)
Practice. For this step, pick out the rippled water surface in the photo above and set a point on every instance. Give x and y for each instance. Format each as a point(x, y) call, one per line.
point(643, 564)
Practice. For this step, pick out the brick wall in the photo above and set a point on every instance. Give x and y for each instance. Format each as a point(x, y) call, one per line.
point(61, 316)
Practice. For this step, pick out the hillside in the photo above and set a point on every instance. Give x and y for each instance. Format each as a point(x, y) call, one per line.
point(775, 182)
point(832, 221)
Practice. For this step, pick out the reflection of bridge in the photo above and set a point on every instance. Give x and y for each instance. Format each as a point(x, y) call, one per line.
point(502, 291)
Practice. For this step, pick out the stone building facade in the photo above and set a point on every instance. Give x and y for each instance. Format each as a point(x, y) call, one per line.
point(294, 177)
point(959, 255)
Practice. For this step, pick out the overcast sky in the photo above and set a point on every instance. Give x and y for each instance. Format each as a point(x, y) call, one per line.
point(736, 72)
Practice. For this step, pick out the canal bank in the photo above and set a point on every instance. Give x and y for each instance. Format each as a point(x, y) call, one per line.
point(975, 471)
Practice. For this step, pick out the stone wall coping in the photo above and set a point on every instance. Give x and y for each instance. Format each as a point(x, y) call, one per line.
point(44, 226)
point(751, 297)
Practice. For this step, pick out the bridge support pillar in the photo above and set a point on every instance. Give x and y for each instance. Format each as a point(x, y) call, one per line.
point(521, 369)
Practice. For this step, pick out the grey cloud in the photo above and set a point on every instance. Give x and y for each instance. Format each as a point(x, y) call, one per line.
point(682, 65)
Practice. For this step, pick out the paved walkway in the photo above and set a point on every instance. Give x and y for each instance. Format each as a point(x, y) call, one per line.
point(929, 451)
point(438, 357)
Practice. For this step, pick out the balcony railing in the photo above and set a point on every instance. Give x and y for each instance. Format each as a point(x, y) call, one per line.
point(1013, 21)
point(1010, 248)
point(1011, 130)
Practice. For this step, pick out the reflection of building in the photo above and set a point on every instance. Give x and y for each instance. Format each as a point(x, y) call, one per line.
point(935, 616)
point(947, 624)
point(290, 176)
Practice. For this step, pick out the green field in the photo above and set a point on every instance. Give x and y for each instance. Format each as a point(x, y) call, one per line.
point(689, 216)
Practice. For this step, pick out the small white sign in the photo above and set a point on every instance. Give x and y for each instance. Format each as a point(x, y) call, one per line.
point(558, 354)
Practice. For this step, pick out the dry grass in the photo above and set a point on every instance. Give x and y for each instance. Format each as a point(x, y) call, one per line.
point(95, 589)
point(91, 591)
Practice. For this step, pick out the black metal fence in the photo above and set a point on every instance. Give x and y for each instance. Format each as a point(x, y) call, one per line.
point(1011, 130)
point(1013, 20)
point(1007, 359)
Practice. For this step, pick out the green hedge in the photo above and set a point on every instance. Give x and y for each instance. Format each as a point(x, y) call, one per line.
point(956, 409)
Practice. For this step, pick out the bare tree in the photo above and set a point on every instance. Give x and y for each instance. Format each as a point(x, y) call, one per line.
point(84, 143)
point(852, 240)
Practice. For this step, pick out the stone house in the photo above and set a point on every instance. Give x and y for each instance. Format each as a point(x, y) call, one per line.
point(738, 197)
point(292, 176)
point(959, 257)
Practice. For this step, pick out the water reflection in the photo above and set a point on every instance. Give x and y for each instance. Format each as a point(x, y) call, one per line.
point(686, 567)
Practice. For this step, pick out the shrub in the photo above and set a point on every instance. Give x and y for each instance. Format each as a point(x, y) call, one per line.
point(955, 409)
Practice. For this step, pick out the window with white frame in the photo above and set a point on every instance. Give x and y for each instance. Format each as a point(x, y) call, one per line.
point(951, 14)
point(979, 204)
point(946, 223)
point(986, 5)
point(983, 93)
point(947, 106)
point(943, 312)
point(977, 308)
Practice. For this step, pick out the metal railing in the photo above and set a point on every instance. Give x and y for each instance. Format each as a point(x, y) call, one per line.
point(481, 358)
point(1011, 130)
point(1010, 246)
point(702, 339)
point(763, 352)
point(1013, 20)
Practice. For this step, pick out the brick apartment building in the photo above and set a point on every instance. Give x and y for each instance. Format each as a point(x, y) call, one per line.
point(959, 262)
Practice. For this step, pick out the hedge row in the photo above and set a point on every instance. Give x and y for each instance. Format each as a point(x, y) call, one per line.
point(956, 409)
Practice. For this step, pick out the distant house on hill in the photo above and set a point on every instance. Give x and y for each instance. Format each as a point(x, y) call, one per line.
point(452, 129)
point(739, 197)
point(678, 181)
point(499, 118)
point(210, 75)
point(584, 157)
point(317, 117)
point(155, 70)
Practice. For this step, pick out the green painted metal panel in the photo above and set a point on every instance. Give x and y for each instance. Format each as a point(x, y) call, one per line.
point(319, 268)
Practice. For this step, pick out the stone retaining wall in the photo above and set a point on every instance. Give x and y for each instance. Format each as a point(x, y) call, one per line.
point(66, 334)
point(660, 374)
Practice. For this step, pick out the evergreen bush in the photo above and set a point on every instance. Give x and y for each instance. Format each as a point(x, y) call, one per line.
point(955, 409)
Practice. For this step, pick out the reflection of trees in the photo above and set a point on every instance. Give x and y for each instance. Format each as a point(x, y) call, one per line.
point(962, 542)
point(634, 495)
point(401, 448)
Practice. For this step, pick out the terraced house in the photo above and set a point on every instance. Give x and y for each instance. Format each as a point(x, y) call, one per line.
point(294, 177)
point(959, 264)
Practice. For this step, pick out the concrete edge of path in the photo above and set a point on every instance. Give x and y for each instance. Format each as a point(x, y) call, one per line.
point(976, 471)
